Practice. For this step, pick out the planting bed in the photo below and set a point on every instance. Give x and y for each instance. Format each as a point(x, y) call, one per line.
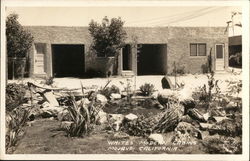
point(115, 120)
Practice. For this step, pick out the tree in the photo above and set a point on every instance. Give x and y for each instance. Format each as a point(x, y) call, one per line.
point(108, 37)
point(19, 40)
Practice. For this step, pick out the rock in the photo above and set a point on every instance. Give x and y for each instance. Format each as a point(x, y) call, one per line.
point(206, 116)
point(205, 126)
point(84, 100)
point(185, 95)
point(158, 138)
point(188, 104)
point(50, 97)
point(188, 119)
point(167, 95)
point(64, 115)
point(196, 115)
point(51, 111)
point(101, 99)
point(131, 117)
point(65, 124)
point(120, 135)
point(166, 83)
point(219, 119)
point(46, 105)
point(218, 112)
point(115, 96)
point(102, 117)
point(117, 120)
point(186, 128)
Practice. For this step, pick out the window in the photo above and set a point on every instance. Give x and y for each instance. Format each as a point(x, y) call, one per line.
point(198, 49)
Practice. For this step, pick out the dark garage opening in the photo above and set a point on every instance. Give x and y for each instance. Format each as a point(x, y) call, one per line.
point(151, 59)
point(68, 60)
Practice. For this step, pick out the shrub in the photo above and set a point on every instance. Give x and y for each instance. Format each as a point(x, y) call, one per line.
point(109, 90)
point(147, 89)
point(92, 73)
point(16, 120)
point(14, 95)
point(222, 145)
point(142, 126)
point(49, 80)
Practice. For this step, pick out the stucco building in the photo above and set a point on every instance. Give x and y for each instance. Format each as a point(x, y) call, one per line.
point(64, 51)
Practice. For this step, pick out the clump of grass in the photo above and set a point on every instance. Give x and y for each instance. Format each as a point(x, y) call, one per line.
point(147, 89)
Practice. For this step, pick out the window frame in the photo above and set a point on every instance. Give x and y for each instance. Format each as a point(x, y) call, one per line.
point(197, 50)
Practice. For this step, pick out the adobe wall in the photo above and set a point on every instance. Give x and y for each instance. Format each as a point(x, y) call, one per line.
point(178, 41)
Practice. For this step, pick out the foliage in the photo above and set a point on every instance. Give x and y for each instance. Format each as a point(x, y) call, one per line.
point(15, 121)
point(127, 89)
point(49, 80)
point(222, 145)
point(109, 90)
point(236, 59)
point(147, 89)
point(208, 94)
point(170, 119)
point(108, 37)
point(14, 95)
point(234, 87)
point(142, 126)
point(84, 116)
point(19, 40)
point(91, 73)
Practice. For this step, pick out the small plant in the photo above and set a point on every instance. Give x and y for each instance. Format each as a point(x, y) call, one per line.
point(14, 95)
point(109, 90)
point(49, 80)
point(147, 89)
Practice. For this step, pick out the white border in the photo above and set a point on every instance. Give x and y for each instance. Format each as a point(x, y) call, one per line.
point(245, 53)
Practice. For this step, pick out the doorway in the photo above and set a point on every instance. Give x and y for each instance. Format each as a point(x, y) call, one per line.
point(126, 58)
point(219, 55)
point(68, 60)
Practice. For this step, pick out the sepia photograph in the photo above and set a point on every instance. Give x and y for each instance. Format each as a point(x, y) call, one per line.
point(144, 78)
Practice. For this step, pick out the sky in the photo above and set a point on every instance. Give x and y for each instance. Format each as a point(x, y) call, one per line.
point(133, 16)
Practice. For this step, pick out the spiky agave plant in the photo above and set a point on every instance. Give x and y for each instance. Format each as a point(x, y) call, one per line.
point(80, 117)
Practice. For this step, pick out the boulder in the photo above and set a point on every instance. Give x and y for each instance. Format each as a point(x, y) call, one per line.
point(167, 95)
point(188, 129)
point(158, 138)
point(115, 96)
point(166, 83)
point(116, 120)
point(131, 117)
point(101, 99)
point(219, 119)
point(102, 117)
point(50, 97)
point(65, 124)
point(206, 126)
point(84, 100)
point(196, 115)
point(51, 111)
point(120, 135)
